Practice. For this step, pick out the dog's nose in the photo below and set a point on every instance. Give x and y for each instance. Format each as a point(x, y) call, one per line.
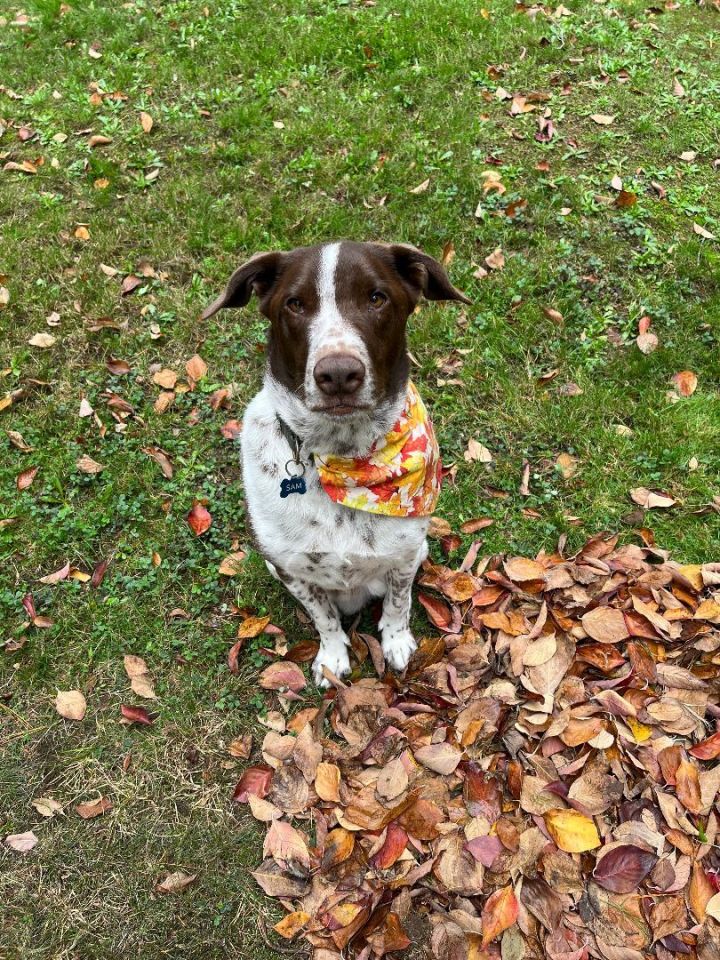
point(339, 373)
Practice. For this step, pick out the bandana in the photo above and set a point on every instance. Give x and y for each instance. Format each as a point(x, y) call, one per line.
point(400, 477)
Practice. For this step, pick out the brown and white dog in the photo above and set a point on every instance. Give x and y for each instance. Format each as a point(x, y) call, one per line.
point(335, 383)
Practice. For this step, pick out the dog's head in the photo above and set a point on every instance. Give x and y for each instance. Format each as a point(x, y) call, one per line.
point(338, 313)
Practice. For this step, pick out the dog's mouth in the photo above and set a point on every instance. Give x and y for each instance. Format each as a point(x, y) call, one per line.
point(340, 408)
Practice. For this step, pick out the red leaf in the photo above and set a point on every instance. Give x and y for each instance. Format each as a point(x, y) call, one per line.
point(255, 781)
point(136, 714)
point(29, 604)
point(481, 793)
point(438, 612)
point(708, 749)
point(624, 868)
point(199, 519)
point(395, 842)
point(484, 849)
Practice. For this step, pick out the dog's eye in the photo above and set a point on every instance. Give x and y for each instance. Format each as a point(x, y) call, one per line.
point(294, 305)
point(377, 298)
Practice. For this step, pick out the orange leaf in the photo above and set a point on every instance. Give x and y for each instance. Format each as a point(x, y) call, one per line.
point(499, 913)
point(199, 519)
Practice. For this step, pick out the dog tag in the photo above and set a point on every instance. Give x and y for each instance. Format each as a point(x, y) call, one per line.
point(294, 482)
point(292, 485)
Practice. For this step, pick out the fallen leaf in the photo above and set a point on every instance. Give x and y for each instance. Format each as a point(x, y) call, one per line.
point(495, 260)
point(86, 464)
point(421, 187)
point(47, 807)
point(199, 519)
point(165, 378)
point(146, 122)
point(93, 808)
point(623, 868)
point(256, 781)
point(283, 675)
point(651, 499)
point(476, 451)
point(21, 842)
point(25, 479)
point(196, 367)
point(602, 119)
point(71, 704)
point(42, 340)
point(572, 831)
point(232, 564)
point(500, 911)
point(136, 715)
point(685, 383)
point(175, 882)
point(702, 232)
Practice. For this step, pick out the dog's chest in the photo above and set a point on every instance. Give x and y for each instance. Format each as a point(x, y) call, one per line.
point(301, 532)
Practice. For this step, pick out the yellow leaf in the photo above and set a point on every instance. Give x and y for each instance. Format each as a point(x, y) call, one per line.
point(290, 925)
point(572, 831)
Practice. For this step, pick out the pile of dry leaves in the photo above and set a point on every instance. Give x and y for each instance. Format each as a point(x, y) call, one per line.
point(542, 783)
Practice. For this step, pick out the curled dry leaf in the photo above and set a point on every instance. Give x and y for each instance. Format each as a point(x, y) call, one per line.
point(136, 715)
point(47, 807)
point(93, 808)
point(175, 882)
point(256, 781)
point(232, 564)
point(42, 340)
point(87, 465)
point(651, 499)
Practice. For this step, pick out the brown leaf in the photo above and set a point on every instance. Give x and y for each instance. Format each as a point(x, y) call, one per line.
point(232, 564)
point(21, 842)
point(146, 122)
point(606, 625)
point(86, 464)
point(25, 479)
point(442, 758)
point(651, 499)
point(93, 808)
point(175, 882)
point(520, 570)
point(196, 368)
point(162, 459)
point(71, 704)
point(687, 787)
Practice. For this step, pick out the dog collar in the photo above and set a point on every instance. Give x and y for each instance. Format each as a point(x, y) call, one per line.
point(399, 477)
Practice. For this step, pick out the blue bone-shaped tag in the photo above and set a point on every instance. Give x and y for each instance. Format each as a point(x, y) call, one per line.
point(292, 485)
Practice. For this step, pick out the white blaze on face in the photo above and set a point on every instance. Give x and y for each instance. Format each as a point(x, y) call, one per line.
point(329, 332)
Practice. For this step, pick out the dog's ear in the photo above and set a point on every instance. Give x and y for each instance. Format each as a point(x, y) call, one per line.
point(423, 273)
point(257, 275)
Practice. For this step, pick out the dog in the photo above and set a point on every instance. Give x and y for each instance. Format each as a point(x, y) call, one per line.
point(339, 460)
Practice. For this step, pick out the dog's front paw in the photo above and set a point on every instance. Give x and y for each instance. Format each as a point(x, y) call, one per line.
point(398, 646)
point(335, 657)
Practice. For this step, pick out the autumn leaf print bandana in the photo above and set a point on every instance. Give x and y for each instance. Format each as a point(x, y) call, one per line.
point(400, 477)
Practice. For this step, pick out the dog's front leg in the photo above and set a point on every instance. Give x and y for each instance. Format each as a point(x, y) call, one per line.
point(398, 642)
point(334, 642)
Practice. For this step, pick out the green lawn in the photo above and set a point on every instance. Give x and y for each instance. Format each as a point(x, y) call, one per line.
point(277, 124)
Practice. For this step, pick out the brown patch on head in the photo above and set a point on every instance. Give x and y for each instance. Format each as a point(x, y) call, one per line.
point(376, 289)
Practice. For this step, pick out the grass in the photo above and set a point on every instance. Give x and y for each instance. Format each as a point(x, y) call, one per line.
point(373, 100)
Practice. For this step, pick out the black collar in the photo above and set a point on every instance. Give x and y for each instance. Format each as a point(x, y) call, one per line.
point(294, 441)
